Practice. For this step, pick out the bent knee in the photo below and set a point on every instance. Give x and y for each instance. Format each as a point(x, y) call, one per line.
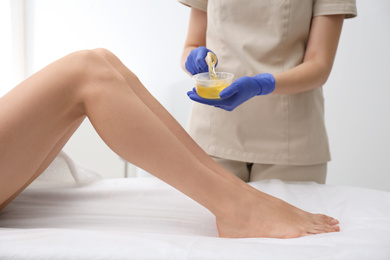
point(89, 63)
point(91, 67)
point(104, 53)
point(96, 73)
point(116, 63)
point(86, 73)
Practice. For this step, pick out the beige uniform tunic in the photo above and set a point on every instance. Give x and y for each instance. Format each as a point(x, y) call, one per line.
point(251, 37)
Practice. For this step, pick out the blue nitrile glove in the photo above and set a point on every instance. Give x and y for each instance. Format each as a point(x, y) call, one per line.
point(239, 91)
point(196, 61)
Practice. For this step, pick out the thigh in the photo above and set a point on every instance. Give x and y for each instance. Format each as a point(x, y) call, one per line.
point(240, 169)
point(34, 118)
point(316, 173)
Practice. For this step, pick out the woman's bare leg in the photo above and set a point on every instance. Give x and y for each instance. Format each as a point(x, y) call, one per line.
point(191, 145)
point(155, 106)
point(49, 159)
point(37, 114)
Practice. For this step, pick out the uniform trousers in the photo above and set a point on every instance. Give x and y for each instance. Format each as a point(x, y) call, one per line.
point(258, 171)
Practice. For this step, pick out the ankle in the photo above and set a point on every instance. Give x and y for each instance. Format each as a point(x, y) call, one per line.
point(237, 207)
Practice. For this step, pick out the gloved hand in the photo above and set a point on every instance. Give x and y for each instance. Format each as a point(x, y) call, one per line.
point(239, 91)
point(196, 62)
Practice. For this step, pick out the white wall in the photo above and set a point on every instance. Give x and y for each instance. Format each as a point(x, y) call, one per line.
point(149, 35)
point(6, 68)
point(357, 100)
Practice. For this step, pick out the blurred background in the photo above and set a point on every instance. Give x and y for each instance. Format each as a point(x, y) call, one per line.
point(149, 36)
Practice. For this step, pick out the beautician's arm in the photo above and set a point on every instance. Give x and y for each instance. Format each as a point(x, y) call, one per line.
point(310, 74)
point(318, 60)
point(196, 35)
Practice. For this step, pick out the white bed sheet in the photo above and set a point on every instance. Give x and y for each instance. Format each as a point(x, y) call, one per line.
point(144, 218)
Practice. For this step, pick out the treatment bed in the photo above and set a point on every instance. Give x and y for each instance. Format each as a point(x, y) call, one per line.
point(144, 218)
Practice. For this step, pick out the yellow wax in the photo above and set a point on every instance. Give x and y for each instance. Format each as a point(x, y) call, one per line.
point(211, 92)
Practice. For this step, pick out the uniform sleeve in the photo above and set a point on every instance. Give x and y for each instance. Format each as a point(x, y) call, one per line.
point(199, 4)
point(330, 7)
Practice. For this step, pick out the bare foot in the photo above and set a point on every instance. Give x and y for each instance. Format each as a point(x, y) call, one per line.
point(267, 216)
